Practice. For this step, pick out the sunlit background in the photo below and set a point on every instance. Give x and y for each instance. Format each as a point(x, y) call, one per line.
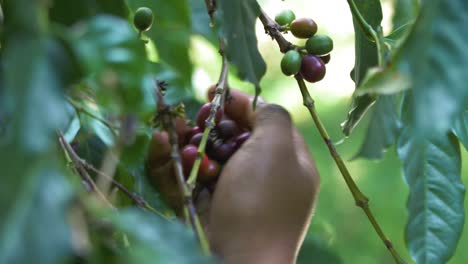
point(340, 232)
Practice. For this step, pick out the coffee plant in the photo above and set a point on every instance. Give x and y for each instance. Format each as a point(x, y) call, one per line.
point(95, 94)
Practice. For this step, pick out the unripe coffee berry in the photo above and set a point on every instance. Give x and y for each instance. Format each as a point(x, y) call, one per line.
point(312, 68)
point(143, 19)
point(303, 28)
point(291, 62)
point(319, 45)
point(285, 17)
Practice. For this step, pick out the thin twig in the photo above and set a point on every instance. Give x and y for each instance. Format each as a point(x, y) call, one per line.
point(136, 198)
point(216, 104)
point(81, 170)
point(82, 167)
point(190, 213)
point(360, 199)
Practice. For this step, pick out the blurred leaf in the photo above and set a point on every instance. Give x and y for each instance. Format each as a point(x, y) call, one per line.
point(366, 57)
point(377, 81)
point(32, 88)
point(71, 129)
point(405, 11)
point(395, 38)
point(110, 50)
point(201, 22)
point(239, 30)
point(171, 33)
point(154, 240)
point(96, 126)
point(460, 129)
point(38, 221)
point(383, 129)
point(69, 12)
point(432, 168)
point(135, 153)
point(316, 251)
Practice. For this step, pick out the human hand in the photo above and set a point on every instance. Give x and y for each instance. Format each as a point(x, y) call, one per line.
point(263, 200)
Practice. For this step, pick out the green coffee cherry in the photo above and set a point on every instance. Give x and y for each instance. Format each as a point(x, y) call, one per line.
point(291, 62)
point(143, 19)
point(303, 28)
point(285, 17)
point(319, 45)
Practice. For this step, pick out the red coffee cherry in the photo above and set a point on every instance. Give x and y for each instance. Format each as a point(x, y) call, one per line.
point(312, 68)
point(227, 129)
point(242, 138)
point(188, 156)
point(196, 139)
point(303, 28)
point(203, 114)
point(222, 152)
point(209, 170)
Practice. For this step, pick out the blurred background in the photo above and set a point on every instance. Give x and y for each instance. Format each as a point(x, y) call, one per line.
point(340, 232)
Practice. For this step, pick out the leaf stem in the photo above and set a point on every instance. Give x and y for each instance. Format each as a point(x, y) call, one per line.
point(272, 28)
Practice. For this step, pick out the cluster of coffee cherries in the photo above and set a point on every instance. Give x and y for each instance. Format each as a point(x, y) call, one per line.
point(223, 141)
point(310, 60)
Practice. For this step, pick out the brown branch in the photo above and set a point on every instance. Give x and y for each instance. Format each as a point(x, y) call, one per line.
point(82, 166)
point(81, 170)
point(272, 29)
point(168, 123)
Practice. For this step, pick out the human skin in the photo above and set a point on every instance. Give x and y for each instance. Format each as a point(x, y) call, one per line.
point(264, 199)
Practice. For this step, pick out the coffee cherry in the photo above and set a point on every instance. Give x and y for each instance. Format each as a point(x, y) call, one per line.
point(196, 139)
point(224, 151)
point(227, 129)
point(291, 63)
point(203, 114)
point(143, 19)
point(188, 156)
point(242, 138)
point(303, 27)
point(312, 68)
point(319, 45)
point(325, 58)
point(285, 17)
point(209, 170)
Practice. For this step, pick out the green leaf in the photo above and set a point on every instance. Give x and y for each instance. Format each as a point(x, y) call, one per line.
point(155, 240)
point(460, 129)
point(171, 33)
point(359, 106)
point(405, 11)
point(37, 222)
point(239, 29)
point(201, 22)
point(69, 12)
point(395, 38)
point(433, 59)
point(432, 169)
point(366, 57)
point(378, 81)
point(383, 128)
point(110, 51)
point(365, 50)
